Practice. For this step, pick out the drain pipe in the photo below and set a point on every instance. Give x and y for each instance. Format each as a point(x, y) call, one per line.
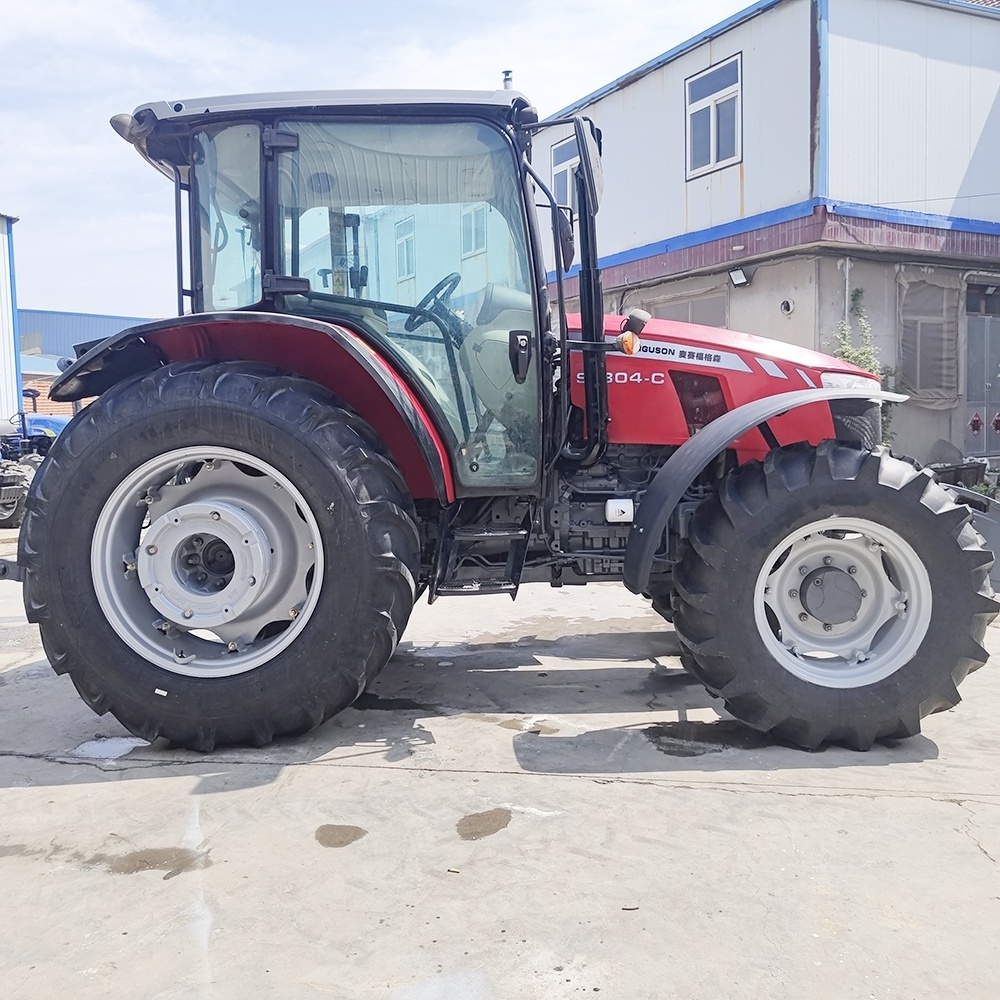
point(846, 264)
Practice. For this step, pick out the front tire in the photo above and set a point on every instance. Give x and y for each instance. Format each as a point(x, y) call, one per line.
point(218, 555)
point(833, 594)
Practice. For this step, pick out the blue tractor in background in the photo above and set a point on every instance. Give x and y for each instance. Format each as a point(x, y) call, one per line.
point(22, 451)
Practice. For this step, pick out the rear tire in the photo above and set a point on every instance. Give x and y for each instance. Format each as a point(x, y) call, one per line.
point(902, 607)
point(269, 581)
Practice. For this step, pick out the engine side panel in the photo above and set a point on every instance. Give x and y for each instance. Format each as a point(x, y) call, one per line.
point(643, 389)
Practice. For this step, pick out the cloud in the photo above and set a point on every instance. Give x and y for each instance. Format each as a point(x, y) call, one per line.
point(96, 229)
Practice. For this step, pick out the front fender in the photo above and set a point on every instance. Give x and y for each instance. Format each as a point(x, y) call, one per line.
point(685, 465)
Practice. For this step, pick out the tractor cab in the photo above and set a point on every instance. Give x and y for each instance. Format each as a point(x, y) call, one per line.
point(410, 223)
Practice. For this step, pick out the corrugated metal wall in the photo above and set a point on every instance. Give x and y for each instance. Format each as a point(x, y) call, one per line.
point(56, 333)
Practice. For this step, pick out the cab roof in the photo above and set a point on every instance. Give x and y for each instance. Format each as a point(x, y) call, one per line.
point(300, 99)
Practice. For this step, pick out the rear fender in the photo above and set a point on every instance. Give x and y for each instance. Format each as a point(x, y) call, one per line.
point(332, 356)
point(685, 465)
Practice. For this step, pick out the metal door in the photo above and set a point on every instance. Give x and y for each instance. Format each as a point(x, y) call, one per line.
point(982, 386)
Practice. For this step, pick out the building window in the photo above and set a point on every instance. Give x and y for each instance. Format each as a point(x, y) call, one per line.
point(565, 157)
point(708, 310)
point(714, 118)
point(473, 230)
point(406, 262)
point(980, 300)
point(928, 347)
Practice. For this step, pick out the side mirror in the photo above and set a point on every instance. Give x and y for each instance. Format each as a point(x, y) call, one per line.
point(566, 240)
point(588, 144)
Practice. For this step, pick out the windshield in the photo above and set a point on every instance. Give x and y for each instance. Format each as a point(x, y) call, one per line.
point(413, 232)
point(418, 229)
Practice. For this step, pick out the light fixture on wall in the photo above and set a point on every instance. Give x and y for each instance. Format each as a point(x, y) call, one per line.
point(739, 277)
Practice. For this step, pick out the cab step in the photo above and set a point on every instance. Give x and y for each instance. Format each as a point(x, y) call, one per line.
point(459, 541)
point(494, 585)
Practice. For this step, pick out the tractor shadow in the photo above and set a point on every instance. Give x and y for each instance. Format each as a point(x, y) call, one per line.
point(611, 702)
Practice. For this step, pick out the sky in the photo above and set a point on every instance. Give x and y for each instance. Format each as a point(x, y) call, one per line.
point(96, 222)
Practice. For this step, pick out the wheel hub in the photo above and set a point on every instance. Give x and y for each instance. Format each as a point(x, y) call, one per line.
point(831, 596)
point(842, 602)
point(204, 564)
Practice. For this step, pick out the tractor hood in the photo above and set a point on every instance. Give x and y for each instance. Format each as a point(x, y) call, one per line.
point(713, 347)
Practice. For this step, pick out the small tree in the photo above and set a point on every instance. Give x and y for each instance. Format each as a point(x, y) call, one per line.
point(860, 349)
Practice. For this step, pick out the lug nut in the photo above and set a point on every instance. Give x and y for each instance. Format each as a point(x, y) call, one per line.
point(803, 570)
point(232, 647)
point(216, 516)
point(193, 560)
point(189, 613)
point(852, 570)
point(827, 628)
point(151, 550)
point(793, 593)
point(864, 593)
point(900, 605)
point(198, 540)
point(827, 560)
point(803, 617)
point(293, 613)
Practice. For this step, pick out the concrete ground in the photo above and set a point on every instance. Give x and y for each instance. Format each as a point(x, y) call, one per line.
point(534, 802)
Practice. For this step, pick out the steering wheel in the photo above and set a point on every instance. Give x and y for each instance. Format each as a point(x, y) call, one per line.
point(440, 293)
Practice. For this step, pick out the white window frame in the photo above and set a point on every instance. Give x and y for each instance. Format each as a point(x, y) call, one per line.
point(477, 214)
point(410, 254)
point(711, 102)
point(568, 167)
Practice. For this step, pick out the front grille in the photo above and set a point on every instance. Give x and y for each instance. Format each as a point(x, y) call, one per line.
point(858, 421)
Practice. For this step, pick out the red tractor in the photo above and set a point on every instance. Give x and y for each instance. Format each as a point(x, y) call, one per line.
point(368, 395)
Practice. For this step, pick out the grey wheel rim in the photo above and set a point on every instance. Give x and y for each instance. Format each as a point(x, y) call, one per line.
point(843, 602)
point(207, 562)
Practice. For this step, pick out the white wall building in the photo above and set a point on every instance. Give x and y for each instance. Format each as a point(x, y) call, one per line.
point(839, 152)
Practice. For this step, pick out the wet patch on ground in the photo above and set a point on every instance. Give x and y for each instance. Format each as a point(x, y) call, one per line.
point(172, 860)
point(476, 826)
point(693, 739)
point(523, 726)
point(333, 835)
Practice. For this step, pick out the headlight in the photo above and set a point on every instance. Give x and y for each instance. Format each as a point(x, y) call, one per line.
point(842, 380)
